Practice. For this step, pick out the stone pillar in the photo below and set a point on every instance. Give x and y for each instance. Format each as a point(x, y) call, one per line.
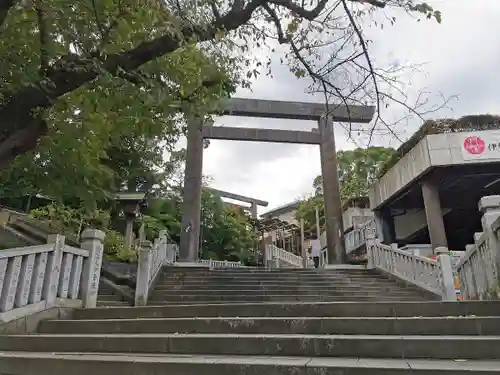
point(434, 215)
point(162, 248)
point(142, 232)
point(371, 242)
point(91, 240)
point(253, 209)
point(490, 208)
point(53, 270)
point(446, 273)
point(268, 257)
point(143, 273)
point(191, 206)
point(331, 193)
point(303, 245)
point(318, 226)
point(129, 230)
point(385, 225)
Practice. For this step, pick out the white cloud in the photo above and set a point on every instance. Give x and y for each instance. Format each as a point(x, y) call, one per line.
point(463, 56)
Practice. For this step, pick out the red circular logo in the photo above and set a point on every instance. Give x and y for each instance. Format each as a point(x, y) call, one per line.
point(474, 145)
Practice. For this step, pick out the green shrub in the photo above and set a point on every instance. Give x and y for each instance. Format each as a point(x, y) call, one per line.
point(115, 249)
point(59, 218)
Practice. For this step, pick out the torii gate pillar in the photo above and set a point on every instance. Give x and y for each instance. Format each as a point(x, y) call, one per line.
point(191, 203)
point(331, 193)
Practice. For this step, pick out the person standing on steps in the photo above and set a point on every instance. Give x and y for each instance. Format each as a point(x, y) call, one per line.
point(315, 250)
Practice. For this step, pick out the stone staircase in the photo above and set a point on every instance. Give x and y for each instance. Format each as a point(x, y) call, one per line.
point(266, 329)
point(202, 285)
point(107, 296)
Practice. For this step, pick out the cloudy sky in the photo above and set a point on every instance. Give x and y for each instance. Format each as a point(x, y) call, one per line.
point(462, 57)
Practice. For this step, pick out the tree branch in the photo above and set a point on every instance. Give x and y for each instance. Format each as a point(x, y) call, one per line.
point(106, 32)
point(357, 30)
point(215, 10)
point(97, 18)
point(138, 78)
point(44, 38)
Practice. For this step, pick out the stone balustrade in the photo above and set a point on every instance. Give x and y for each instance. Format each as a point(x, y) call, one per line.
point(220, 263)
point(152, 257)
point(36, 278)
point(274, 255)
point(435, 276)
point(323, 260)
point(357, 237)
point(478, 268)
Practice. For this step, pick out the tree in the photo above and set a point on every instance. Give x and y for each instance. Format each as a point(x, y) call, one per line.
point(357, 170)
point(61, 61)
point(307, 212)
point(226, 232)
point(110, 138)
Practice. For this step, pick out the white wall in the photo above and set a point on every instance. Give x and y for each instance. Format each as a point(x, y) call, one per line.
point(355, 215)
point(411, 222)
point(289, 217)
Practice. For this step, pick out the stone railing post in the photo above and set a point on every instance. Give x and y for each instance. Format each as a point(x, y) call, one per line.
point(490, 208)
point(268, 257)
point(54, 262)
point(91, 240)
point(162, 248)
point(446, 274)
point(143, 273)
point(171, 252)
point(370, 244)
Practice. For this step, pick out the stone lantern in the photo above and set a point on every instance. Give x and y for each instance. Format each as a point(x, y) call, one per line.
point(131, 203)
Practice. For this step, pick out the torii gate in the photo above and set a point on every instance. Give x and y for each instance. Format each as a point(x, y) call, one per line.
point(190, 227)
point(253, 201)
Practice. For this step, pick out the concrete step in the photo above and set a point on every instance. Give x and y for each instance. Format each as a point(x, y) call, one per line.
point(107, 294)
point(261, 270)
point(286, 282)
point(208, 284)
point(112, 297)
point(271, 325)
point(372, 346)
point(112, 303)
point(312, 296)
point(284, 300)
point(283, 297)
point(315, 309)
point(133, 364)
point(332, 290)
point(272, 276)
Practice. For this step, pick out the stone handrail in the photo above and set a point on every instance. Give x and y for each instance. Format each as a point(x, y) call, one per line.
point(274, 255)
point(152, 257)
point(478, 269)
point(220, 263)
point(172, 252)
point(323, 259)
point(357, 237)
point(37, 278)
point(435, 276)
